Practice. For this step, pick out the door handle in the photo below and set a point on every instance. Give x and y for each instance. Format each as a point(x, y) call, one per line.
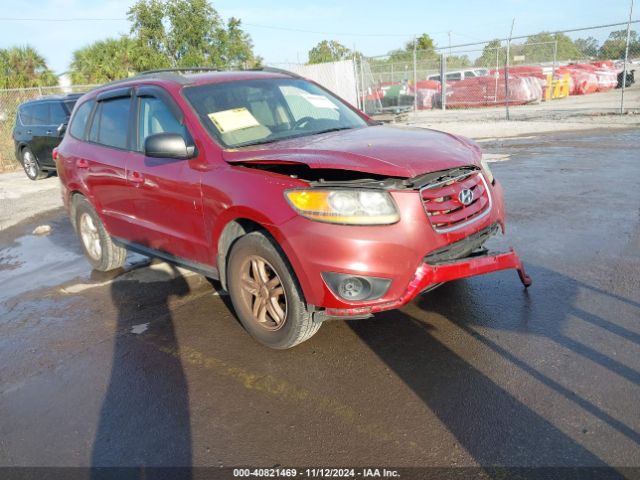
point(28, 132)
point(82, 163)
point(49, 132)
point(136, 178)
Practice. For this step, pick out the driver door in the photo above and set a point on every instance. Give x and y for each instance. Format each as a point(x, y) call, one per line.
point(168, 203)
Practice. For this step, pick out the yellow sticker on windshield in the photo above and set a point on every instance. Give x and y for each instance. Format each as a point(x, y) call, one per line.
point(235, 119)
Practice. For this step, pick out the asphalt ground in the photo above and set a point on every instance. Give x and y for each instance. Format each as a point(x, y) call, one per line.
point(148, 367)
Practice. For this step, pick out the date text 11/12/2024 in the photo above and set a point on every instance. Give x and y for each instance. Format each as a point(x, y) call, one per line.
point(316, 473)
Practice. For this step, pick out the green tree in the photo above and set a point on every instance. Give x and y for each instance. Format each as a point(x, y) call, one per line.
point(238, 47)
point(106, 60)
point(539, 48)
point(165, 34)
point(190, 33)
point(614, 47)
point(22, 67)
point(329, 51)
point(424, 46)
point(587, 46)
point(493, 54)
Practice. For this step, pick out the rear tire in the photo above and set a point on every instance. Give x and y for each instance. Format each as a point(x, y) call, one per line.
point(266, 295)
point(31, 165)
point(102, 253)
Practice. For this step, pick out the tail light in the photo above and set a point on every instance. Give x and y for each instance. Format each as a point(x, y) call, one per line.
point(55, 154)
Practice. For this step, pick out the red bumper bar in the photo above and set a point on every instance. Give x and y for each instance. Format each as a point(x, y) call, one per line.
point(427, 275)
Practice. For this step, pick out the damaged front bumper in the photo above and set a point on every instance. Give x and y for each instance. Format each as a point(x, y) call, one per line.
point(427, 276)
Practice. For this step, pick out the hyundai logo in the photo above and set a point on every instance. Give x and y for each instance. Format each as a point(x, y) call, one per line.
point(465, 196)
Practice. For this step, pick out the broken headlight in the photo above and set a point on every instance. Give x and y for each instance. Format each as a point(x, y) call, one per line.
point(487, 171)
point(352, 207)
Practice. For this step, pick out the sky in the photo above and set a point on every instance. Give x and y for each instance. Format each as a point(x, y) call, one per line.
point(283, 31)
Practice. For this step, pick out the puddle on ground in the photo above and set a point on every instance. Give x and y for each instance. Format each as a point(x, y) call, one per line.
point(139, 329)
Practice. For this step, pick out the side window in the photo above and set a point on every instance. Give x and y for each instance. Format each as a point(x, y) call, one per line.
point(80, 119)
point(34, 114)
point(113, 123)
point(155, 117)
point(304, 104)
point(469, 74)
point(57, 113)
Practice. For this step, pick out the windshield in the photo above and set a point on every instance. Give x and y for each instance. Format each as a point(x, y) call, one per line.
point(252, 112)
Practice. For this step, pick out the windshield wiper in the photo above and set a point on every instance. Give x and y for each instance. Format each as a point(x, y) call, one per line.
point(259, 142)
point(335, 129)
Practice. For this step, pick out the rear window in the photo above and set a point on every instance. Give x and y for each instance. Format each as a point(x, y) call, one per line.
point(79, 122)
point(34, 114)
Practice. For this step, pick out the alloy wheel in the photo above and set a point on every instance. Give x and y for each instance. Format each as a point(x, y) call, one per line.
point(263, 293)
point(30, 165)
point(90, 236)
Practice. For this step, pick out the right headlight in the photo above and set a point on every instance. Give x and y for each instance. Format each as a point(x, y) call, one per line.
point(353, 207)
point(487, 171)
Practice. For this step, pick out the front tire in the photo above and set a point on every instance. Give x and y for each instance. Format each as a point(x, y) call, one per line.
point(102, 253)
point(31, 165)
point(266, 295)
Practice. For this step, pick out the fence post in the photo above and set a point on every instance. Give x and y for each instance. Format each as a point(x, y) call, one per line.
point(555, 59)
point(362, 92)
point(506, 71)
point(355, 74)
point(443, 83)
point(415, 75)
point(626, 59)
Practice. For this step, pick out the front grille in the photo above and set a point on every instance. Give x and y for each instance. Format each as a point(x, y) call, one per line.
point(462, 248)
point(444, 208)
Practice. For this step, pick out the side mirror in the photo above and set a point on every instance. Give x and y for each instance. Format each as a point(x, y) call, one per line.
point(61, 129)
point(168, 145)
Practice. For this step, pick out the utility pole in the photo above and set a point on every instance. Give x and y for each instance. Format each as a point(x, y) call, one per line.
point(449, 42)
point(626, 59)
point(506, 71)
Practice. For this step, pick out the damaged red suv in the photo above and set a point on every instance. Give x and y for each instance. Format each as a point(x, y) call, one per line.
point(302, 206)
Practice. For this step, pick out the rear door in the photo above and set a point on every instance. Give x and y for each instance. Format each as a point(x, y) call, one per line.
point(35, 117)
point(102, 161)
point(168, 200)
point(57, 115)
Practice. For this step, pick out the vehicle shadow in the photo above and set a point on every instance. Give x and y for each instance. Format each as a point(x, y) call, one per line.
point(144, 421)
point(488, 421)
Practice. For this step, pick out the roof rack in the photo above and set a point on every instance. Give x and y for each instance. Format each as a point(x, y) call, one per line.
point(276, 70)
point(175, 73)
point(180, 69)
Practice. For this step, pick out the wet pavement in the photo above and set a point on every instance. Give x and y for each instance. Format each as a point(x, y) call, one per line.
point(148, 366)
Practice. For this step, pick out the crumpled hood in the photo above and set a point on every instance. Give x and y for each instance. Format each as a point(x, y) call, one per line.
point(381, 150)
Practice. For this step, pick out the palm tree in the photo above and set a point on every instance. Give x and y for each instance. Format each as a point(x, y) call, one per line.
point(22, 67)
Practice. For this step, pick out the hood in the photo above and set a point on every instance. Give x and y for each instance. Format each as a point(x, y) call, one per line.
point(381, 150)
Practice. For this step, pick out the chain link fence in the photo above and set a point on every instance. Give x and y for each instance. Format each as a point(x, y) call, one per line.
point(545, 76)
point(9, 101)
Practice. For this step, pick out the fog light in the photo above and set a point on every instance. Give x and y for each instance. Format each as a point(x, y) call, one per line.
point(356, 287)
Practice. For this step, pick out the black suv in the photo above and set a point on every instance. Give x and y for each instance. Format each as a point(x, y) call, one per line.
point(40, 125)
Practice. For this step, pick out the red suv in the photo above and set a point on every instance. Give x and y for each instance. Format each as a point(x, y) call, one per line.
point(303, 207)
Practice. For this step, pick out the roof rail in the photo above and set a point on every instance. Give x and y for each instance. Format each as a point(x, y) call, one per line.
point(180, 69)
point(276, 70)
point(175, 73)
